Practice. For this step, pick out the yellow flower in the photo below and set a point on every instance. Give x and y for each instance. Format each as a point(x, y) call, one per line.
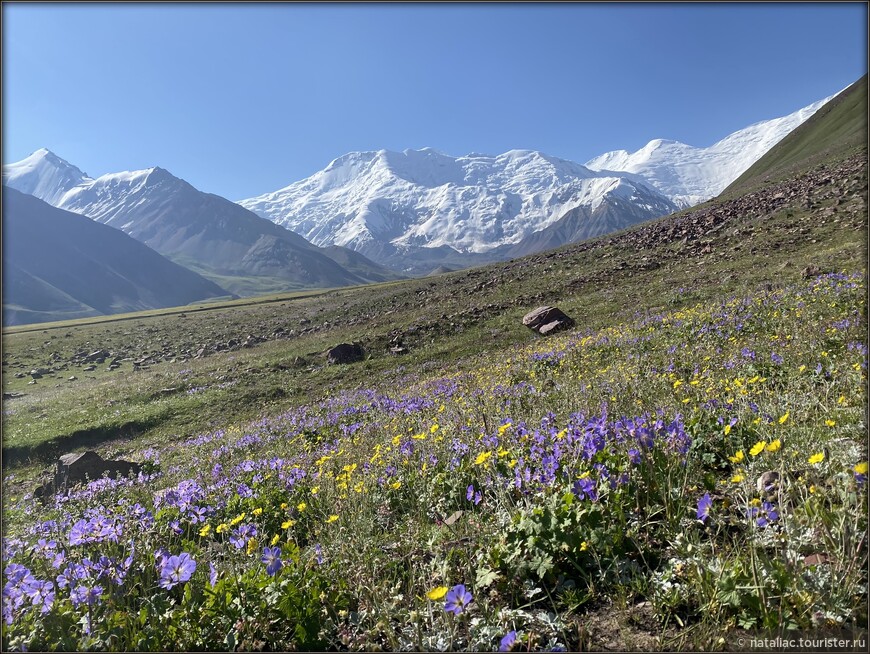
point(773, 446)
point(830, 423)
point(287, 524)
point(482, 457)
point(396, 484)
point(237, 519)
point(221, 528)
point(736, 479)
point(301, 507)
point(433, 428)
point(727, 429)
point(755, 502)
point(757, 448)
point(584, 546)
point(737, 458)
point(252, 546)
point(204, 531)
point(861, 468)
point(257, 511)
point(275, 539)
point(284, 505)
point(315, 490)
point(331, 518)
point(677, 383)
point(783, 418)
point(437, 593)
point(818, 457)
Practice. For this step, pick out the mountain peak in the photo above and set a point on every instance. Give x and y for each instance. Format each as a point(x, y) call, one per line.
point(689, 175)
point(43, 174)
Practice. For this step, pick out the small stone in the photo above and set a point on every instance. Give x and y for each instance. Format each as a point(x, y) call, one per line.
point(767, 481)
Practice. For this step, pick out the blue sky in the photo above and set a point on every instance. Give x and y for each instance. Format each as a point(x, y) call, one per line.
point(244, 99)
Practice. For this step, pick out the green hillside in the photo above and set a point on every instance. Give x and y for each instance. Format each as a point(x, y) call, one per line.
point(836, 130)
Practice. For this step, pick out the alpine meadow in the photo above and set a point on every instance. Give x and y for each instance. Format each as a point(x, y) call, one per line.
point(680, 465)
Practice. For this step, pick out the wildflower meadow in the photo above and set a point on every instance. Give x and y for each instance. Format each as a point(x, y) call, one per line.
point(707, 461)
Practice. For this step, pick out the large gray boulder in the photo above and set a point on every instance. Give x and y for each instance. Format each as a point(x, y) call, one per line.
point(345, 353)
point(546, 320)
point(75, 468)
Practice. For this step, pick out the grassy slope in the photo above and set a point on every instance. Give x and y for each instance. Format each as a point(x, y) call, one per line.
point(837, 129)
point(443, 319)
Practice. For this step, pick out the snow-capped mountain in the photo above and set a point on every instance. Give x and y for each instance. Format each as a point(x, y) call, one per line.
point(206, 232)
point(44, 175)
point(397, 207)
point(689, 175)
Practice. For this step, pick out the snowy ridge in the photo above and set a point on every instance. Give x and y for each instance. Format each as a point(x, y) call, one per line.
point(425, 198)
point(689, 175)
point(45, 175)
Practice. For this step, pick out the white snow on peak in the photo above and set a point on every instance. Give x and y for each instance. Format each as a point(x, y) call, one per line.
point(689, 175)
point(43, 174)
point(472, 203)
point(113, 194)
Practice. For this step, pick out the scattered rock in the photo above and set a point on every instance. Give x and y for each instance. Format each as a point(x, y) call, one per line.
point(767, 481)
point(810, 271)
point(345, 353)
point(546, 320)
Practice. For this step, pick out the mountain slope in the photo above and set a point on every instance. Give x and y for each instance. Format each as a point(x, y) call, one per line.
point(689, 175)
point(60, 265)
point(216, 237)
point(399, 208)
point(837, 129)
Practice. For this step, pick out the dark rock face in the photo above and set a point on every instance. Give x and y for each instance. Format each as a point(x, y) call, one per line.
point(345, 353)
point(546, 320)
point(72, 469)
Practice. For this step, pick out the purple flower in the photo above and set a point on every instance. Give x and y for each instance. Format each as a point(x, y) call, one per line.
point(81, 594)
point(242, 535)
point(212, 574)
point(585, 487)
point(176, 570)
point(318, 554)
point(635, 456)
point(704, 505)
point(507, 642)
point(471, 496)
point(272, 559)
point(457, 599)
point(765, 515)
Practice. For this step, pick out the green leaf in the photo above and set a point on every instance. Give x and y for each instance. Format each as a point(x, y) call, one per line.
point(485, 578)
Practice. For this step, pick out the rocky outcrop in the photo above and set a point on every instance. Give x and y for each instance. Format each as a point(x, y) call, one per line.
point(72, 469)
point(345, 353)
point(546, 320)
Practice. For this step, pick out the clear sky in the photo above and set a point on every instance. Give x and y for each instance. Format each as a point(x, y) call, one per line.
point(241, 99)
